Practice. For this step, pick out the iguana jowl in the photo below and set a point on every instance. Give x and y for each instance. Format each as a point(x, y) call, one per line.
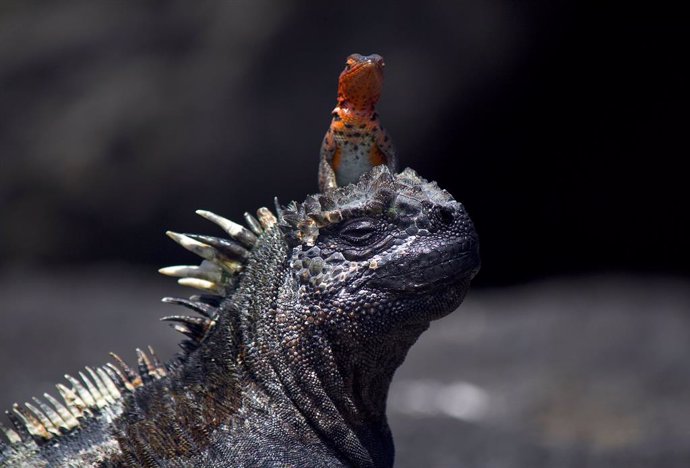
point(305, 317)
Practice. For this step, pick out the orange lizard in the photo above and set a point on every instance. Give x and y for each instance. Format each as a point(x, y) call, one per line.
point(355, 142)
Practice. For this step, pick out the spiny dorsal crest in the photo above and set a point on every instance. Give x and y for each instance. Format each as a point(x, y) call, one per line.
point(98, 392)
point(218, 274)
point(376, 191)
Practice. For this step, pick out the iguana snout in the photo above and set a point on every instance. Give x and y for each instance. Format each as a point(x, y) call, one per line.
point(424, 271)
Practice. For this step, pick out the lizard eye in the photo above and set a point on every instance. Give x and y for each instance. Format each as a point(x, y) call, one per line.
point(352, 60)
point(358, 232)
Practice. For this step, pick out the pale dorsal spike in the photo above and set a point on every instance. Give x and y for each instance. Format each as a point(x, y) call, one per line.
point(253, 224)
point(201, 322)
point(192, 271)
point(209, 299)
point(132, 377)
point(19, 426)
point(147, 370)
point(234, 230)
point(160, 368)
point(75, 405)
point(143, 365)
point(83, 393)
point(184, 329)
point(198, 326)
point(105, 394)
point(11, 435)
point(93, 391)
point(228, 247)
point(68, 418)
point(234, 267)
point(279, 209)
point(202, 285)
point(206, 252)
point(44, 420)
point(123, 384)
point(204, 309)
point(108, 383)
point(266, 218)
point(31, 423)
point(55, 419)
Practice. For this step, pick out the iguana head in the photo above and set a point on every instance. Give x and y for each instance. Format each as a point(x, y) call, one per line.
point(318, 306)
point(381, 255)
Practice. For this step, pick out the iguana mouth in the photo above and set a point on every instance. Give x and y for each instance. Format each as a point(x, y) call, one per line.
point(446, 267)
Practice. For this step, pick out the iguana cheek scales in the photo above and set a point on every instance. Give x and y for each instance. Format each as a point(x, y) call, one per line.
point(302, 317)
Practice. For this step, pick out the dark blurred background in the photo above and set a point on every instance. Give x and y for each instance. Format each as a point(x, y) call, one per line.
point(557, 124)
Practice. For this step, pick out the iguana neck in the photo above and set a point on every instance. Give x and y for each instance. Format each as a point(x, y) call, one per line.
point(335, 389)
point(340, 393)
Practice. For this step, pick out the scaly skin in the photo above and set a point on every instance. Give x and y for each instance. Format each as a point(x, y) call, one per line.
point(355, 141)
point(295, 367)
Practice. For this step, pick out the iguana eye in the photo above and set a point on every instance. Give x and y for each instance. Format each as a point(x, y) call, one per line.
point(359, 231)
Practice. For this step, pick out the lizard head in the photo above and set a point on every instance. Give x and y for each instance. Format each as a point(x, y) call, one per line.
point(387, 253)
point(360, 83)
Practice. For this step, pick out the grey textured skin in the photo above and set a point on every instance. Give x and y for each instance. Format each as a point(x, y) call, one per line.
point(296, 367)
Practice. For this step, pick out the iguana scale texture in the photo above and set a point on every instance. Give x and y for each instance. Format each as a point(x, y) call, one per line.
point(305, 315)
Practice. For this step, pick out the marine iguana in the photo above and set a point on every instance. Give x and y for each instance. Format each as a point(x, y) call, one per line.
point(305, 316)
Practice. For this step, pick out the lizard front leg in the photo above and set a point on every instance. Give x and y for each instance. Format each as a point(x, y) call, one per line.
point(329, 148)
point(386, 152)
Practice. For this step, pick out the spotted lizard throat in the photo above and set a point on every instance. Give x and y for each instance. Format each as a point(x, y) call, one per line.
point(355, 141)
